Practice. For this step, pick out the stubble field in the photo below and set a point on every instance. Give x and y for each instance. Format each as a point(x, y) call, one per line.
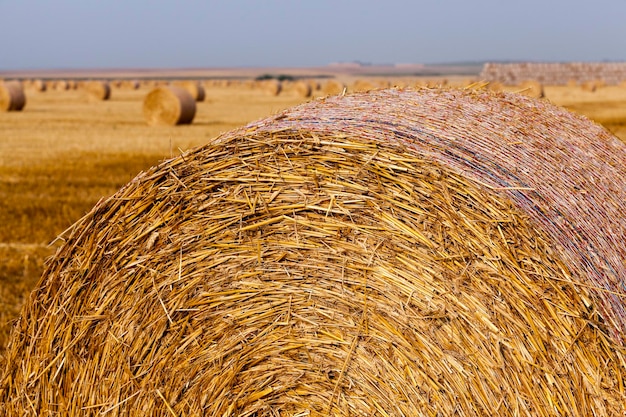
point(63, 153)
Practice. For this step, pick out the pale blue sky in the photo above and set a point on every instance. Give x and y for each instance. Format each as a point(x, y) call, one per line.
point(37, 34)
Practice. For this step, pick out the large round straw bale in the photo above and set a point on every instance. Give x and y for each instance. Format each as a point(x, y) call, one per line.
point(401, 253)
point(194, 88)
point(98, 90)
point(169, 106)
point(12, 97)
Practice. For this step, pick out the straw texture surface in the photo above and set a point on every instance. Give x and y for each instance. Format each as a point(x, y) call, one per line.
point(12, 97)
point(416, 253)
point(169, 106)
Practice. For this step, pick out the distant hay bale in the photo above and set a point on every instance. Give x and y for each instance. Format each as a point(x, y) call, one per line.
point(362, 86)
point(12, 97)
point(315, 85)
point(194, 88)
point(97, 90)
point(39, 85)
point(248, 84)
point(169, 106)
point(531, 88)
point(61, 85)
point(589, 86)
point(333, 87)
point(303, 89)
point(130, 85)
point(399, 252)
point(272, 87)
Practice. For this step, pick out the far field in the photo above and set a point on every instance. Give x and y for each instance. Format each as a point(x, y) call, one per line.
point(63, 153)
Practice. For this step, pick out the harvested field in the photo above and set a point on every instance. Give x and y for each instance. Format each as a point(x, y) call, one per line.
point(397, 252)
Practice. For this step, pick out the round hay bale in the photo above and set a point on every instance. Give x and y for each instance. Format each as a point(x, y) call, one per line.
point(97, 90)
point(169, 106)
point(333, 87)
point(430, 252)
point(194, 88)
point(12, 97)
point(589, 86)
point(315, 84)
point(39, 85)
point(272, 87)
point(362, 85)
point(303, 89)
point(130, 85)
point(61, 85)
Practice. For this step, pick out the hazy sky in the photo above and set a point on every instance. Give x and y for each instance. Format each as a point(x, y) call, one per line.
point(38, 34)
